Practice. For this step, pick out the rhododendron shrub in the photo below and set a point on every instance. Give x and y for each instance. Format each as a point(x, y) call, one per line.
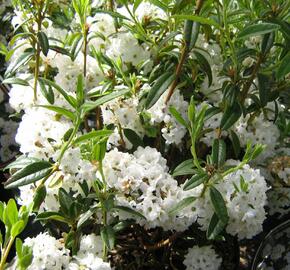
point(141, 134)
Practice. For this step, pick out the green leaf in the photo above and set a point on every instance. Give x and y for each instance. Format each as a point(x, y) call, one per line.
point(230, 116)
point(95, 134)
point(122, 225)
point(219, 205)
point(65, 201)
point(108, 236)
point(21, 162)
point(219, 152)
point(84, 218)
point(159, 87)
point(191, 30)
point(184, 168)
point(264, 88)
point(258, 29)
point(181, 205)
point(21, 61)
point(216, 226)
point(43, 42)
point(267, 42)
point(59, 110)
point(70, 99)
point(133, 137)
point(178, 116)
point(17, 228)
point(51, 215)
point(16, 81)
point(90, 105)
point(46, 92)
point(129, 210)
point(2, 207)
point(236, 143)
point(39, 197)
point(99, 151)
point(80, 90)
point(18, 247)
point(11, 212)
point(195, 181)
point(198, 19)
point(284, 67)
point(204, 64)
point(29, 174)
point(60, 50)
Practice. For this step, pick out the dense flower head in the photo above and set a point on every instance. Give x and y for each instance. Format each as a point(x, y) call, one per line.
point(200, 258)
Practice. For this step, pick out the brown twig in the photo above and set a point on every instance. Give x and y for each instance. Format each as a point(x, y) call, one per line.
point(162, 243)
point(249, 82)
point(183, 56)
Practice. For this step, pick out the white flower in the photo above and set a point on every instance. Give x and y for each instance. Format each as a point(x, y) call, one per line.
point(143, 184)
point(48, 253)
point(173, 132)
point(245, 219)
point(40, 133)
point(201, 258)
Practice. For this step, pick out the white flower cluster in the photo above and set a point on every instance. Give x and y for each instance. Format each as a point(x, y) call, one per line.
point(50, 253)
point(89, 255)
point(172, 131)
point(40, 133)
point(143, 184)
point(73, 171)
point(245, 185)
point(201, 258)
point(123, 114)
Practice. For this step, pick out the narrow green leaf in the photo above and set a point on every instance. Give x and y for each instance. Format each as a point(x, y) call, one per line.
point(2, 207)
point(15, 81)
point(59, 110)
point(51, 215)
point(80, 90)
point(11, 211)
point(258, 29)
point(17, 228)
point(178, 116)
point(159, 87)
point(65, 201)
point(95, 134)
point(43, 42)
point(284, 67)
point(236, 143)
point(70, 99)
point(133, 137)
point(29, 174)
point(230, 116)
point(195, 181)
point(47, 92)
point(219, 152)
point(216, 226)
point(84, 218)
point(267, 42)
point(21, 162)
point(194, 35)
point(184, 168)
point(219, 205)
point(181, 205)
point(197, 18)
point(60, 50)
point(21, 61)
point(108, 236)
point(90, 105)
point(39, 197)
point(202, 61)
point(264, 88)
point(128, 210)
